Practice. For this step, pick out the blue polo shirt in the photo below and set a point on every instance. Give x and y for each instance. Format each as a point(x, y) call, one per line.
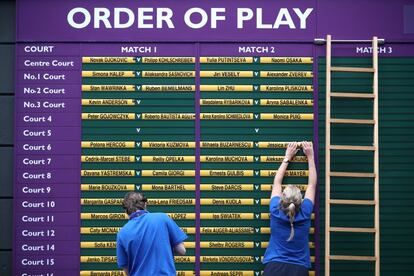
point(295, 251)
point(145, 244)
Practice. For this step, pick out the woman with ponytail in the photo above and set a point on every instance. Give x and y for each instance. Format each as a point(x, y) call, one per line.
point(290, 219)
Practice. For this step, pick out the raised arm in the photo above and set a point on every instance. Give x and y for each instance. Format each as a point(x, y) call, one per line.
point(291, 151)
point(312, 181)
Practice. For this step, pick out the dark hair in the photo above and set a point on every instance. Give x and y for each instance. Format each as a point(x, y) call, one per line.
point(133, 202)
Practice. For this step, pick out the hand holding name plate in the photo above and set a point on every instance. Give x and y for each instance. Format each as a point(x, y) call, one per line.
point(291, 150)
point(307, 148)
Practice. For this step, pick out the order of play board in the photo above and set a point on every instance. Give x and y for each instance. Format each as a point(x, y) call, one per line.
point(199, 128)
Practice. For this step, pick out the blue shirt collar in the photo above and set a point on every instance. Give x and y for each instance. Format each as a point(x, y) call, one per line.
point(137, 214)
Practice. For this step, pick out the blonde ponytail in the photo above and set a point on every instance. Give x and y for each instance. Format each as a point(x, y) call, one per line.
point(290, 203)
point(291, 212)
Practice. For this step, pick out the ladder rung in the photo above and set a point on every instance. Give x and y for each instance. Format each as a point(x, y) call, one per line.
point(352, 202)
point(351, 174)
point(321, 41)
point(352, 95)
point(352, 258)
point(352, 121)
point(352, 69)
point(352, 229)
point(346, 147)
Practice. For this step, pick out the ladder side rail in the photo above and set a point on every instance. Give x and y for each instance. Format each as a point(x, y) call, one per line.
point(376, 155)
point(328, 156)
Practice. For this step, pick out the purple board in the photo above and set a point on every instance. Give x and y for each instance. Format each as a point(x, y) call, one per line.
point(54, 35)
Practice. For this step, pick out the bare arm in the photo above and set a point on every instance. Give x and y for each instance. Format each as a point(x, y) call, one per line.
point(312, 181)
point(291, 151)
point(179, 249)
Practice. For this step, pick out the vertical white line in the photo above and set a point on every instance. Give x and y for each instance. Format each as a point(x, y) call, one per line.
point(376, 155)
point(328, 156)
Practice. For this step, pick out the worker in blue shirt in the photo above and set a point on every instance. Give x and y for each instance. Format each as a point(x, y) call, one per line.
point(290, 220)
point(147, 242)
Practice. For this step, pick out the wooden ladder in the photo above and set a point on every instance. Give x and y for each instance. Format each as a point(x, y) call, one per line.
point(374, 148)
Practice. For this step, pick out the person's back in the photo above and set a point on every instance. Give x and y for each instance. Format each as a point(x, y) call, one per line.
point(295, 251)
point(146, 243)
